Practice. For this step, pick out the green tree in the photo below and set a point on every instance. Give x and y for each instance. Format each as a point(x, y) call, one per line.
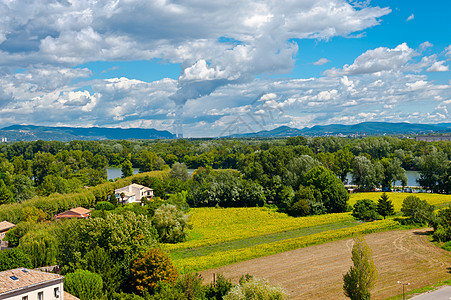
point(296, 168)
point(33, 214)
point(146, 161)
point(416, 210)
point(6, 195)
point(365, 210)
point(179, 171)
point(343, 163)
point(127, 168)
point(171, 224)
point(14, 235)
point(83, 284)
point(333, 193)
point(23, 188)
point(150, 268)
point(364, 173)
point(432, 167)
point(256, 289)
point(99, 261)
point(122, 235)
point(14, 258)
point(385, 206)
point(41, 245)
point(361, 277)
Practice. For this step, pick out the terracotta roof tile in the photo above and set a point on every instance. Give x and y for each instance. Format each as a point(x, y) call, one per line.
point(68, 296)
point(5, 225)
point(80, 210)
point(25, 277)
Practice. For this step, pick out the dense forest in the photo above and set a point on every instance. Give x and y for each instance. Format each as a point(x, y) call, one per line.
point(110, 250)
point(271, 166)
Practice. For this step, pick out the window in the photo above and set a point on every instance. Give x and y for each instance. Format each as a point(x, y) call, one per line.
point(56, 292)
point(41, 296)
point(25, 298)
point(13, 277)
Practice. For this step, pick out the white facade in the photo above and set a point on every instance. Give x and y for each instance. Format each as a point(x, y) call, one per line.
point(133, 193)
point(50, 292)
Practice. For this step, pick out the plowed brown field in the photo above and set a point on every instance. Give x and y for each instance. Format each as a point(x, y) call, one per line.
point(317, 272)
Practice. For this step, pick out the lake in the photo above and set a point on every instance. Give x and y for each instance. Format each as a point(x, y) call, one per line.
point(412, 177)
point(114, 173)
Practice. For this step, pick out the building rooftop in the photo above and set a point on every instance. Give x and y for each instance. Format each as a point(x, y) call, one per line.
point(80, 210)
point(133, 185)
point(5, 225)
point(20, 278)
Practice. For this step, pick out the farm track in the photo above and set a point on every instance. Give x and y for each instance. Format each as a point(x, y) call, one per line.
point(316, 272)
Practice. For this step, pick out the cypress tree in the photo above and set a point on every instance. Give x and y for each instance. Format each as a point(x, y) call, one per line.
point(385, 206)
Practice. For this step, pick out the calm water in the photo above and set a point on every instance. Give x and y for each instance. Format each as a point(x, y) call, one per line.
point(114, 173)
point(412, 177)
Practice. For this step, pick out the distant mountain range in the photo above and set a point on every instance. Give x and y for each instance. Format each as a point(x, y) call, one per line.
point(33, 133)
point(365, 128)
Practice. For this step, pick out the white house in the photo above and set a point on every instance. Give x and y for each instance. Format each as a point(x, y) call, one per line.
point(133, 193)
point(26, 284)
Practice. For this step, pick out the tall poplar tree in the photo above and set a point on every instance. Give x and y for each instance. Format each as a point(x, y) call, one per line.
point(361, 277)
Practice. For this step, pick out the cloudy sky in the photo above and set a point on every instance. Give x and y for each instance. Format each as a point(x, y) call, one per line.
point(230, 66)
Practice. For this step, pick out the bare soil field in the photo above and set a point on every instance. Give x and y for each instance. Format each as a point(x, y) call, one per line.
point(316, 272)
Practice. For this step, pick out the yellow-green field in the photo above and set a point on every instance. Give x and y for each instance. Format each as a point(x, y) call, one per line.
point(222, 258)
point(398, 198)
point(222, 236)
point(218, 225)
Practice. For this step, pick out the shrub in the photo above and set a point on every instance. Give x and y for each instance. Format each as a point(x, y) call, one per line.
point(150, 268)
point(365, 210)
point(417, 211)
point(191, 286)
point(442, 226)
point(299, 208)
point(165, 291)
point(218, 289)
point(83, 284)
point(256, 289)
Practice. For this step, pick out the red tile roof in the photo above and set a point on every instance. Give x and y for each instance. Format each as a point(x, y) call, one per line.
point(78, 212)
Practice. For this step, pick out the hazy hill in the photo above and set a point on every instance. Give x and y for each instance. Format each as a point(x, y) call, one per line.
point(367, 128)
point(32, 133)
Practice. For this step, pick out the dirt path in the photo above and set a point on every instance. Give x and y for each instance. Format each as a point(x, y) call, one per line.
point(317, 272)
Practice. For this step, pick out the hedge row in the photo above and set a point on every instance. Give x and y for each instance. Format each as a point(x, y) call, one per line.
point(57, 203)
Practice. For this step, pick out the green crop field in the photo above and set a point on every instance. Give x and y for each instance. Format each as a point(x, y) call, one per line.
point(219, 225)
point(221, 236)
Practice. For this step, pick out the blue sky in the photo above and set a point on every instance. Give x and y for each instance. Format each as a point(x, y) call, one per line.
point(297, 63)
